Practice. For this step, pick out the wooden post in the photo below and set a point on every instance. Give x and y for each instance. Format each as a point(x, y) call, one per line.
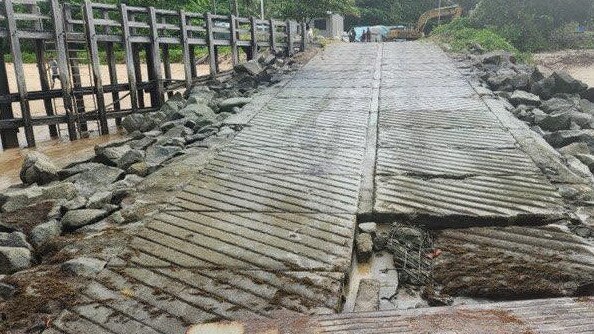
point(254, 38)
point(41, 69)
point(8, 137)
point(155, 57)
point(62, 59)
point(17, 58)
point(289, 38)
point(186, 48)
point(303, 36)
point(130, 64)
point(233, 40)
point(45, 86)
point(113, 79)
point(211, 47)
point(151, 76)
point(193, 72)
point(96, 66)
point(113, 73)
point(272, 36)
point(138, 73)
point(167, 66)
point(76, 78)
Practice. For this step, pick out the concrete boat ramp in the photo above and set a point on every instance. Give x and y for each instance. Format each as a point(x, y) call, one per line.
point(263, 235)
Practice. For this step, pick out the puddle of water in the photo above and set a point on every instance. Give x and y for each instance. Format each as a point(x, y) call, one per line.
point(61, 151)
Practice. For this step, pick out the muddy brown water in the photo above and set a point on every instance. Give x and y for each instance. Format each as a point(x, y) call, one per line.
point(62, 152)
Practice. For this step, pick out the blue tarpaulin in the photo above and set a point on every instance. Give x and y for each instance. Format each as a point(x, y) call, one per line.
point(375, 30)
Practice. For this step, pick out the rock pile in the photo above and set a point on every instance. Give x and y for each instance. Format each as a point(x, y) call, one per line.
point(94, 192)
point(558, 107)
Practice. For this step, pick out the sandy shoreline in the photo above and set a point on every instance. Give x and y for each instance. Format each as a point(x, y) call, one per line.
point(578, 63)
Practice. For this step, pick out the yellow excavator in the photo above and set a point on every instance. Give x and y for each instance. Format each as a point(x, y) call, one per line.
point(412, 33)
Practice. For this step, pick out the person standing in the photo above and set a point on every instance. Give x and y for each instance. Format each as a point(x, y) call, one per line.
point(54, 71)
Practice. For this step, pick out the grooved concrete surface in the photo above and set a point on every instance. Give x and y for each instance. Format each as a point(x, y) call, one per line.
point(267, 225)
point(442, 153)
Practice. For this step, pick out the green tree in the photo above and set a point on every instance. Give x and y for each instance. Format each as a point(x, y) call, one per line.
point(308, 9)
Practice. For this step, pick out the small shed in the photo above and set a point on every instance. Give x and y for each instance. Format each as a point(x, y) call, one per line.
point(331, 26)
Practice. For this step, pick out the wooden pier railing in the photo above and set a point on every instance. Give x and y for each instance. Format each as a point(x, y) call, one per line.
point(88, 35)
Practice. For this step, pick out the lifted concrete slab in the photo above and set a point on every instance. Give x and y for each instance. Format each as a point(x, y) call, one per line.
point(427, 92)
point(140, 300)
point(327, 137)
point(440, 202)
point(445, 162)
point(443, 119)
point(270, 193)
point(323, 92)
point(310, 104)
point(311, 118)
point(478, 138)
point(245, 240)
point(434, 104)
point(513, 262)
point(287, 160)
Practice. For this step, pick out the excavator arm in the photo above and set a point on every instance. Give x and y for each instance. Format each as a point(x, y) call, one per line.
point(451, 11)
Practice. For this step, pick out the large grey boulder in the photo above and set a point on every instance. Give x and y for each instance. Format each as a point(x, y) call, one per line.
point(586, 107)
point(156, 155)
point(76, 169)
point(111, 155)
point(175, 103)
point(129, 158)
point(497, 58)
point(228, 104)
point(525, 98)
point(138, 122)
point(95, 179)
point(83, 266)
point(75, 219)
point(201, 95)
point(200, 114)
point(556, 106)
point(588, 94)
point(99, 200)
point(555, 122)
point(15, 199)
point(38, 168)
point(13, 259)
point(558, 83)
point(574, 149)
point(566, 137)
point(14, 239)
point(586, 159)
point(583, 120)
point(251, 67)
point(45, 232)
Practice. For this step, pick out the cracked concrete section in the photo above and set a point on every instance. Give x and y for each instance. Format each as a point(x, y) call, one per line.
point(266, 226)
point(513, 262)
point(444, 155)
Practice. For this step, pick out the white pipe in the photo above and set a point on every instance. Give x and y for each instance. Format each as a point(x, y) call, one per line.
point(262, 9)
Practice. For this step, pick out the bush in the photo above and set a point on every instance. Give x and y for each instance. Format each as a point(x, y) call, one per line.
point(462, 36)
point(567, 37)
